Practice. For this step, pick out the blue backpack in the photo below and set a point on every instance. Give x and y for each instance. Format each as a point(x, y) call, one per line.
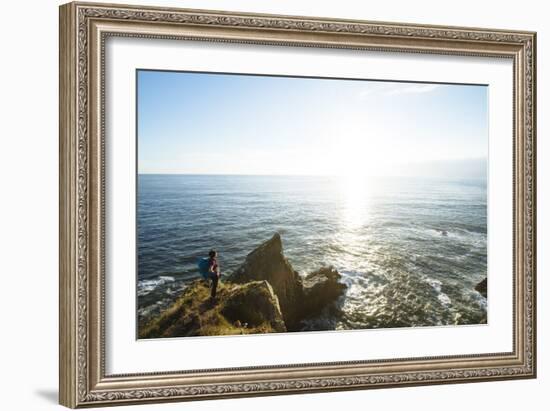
point(204, 265)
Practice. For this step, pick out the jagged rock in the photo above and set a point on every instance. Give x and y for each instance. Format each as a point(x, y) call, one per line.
point(481, 287)
point(267, 262)
point(254, 304)
point(249, 308)
point(322, 289)
point(263, 295)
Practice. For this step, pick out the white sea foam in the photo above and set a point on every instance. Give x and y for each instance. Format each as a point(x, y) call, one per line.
point(444, 299)
point(441, 296)
point(146, 286)
point(385, 245)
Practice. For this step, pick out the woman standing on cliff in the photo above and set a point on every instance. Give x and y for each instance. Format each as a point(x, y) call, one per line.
point(213, 272)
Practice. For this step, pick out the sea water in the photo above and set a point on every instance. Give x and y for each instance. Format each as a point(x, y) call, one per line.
point(411, 250)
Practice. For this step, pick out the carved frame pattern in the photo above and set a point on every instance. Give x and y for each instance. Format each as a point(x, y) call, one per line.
point(83, 383)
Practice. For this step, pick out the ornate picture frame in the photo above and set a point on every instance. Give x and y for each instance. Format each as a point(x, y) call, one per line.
point(84, 29)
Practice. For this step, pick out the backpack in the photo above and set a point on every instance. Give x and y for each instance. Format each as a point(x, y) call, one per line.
point(204, 264)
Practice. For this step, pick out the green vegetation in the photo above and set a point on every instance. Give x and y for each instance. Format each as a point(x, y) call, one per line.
point(264, 295)
point(249, 308)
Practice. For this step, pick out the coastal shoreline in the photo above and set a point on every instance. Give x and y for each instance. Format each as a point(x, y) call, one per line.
point(264, 295)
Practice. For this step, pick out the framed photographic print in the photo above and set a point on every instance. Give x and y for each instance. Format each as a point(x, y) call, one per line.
point(337, 204)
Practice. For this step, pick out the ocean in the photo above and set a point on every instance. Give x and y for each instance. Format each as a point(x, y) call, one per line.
point(411, 250)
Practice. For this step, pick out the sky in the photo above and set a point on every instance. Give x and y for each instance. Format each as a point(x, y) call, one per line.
point(207, 123)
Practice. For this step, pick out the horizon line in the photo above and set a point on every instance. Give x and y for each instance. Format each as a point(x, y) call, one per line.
point(455, 160)
point(293, 175)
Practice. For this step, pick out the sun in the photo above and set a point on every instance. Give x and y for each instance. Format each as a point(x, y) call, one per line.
point(358, 153)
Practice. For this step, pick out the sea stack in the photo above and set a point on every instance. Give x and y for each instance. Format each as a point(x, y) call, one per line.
point(267, 262)
point(481, 287)
point(322, 289)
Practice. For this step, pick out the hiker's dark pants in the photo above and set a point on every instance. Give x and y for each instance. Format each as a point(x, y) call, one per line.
point(215, 278)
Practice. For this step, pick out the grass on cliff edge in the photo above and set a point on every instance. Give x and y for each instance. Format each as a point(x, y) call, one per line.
point(194, 314)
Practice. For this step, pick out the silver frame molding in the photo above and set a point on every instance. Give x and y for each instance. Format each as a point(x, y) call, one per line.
point(84, 27)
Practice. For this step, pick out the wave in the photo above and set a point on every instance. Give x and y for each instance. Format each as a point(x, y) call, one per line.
point(441, 296)
point(145, 287)
point(410, 254)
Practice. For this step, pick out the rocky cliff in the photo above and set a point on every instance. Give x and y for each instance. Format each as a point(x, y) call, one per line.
point(267, 262)
point(265, 294)
point(481, 287)
point(322, 289)
point(249, 308)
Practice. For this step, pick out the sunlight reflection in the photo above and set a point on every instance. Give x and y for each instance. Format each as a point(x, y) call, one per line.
point(355, 192)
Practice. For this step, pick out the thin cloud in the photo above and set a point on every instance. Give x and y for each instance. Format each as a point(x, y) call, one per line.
point(413, 89)
point(394, 89)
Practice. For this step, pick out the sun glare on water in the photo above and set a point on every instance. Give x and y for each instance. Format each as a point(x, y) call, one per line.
point(355, 194)
point(358, 158)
